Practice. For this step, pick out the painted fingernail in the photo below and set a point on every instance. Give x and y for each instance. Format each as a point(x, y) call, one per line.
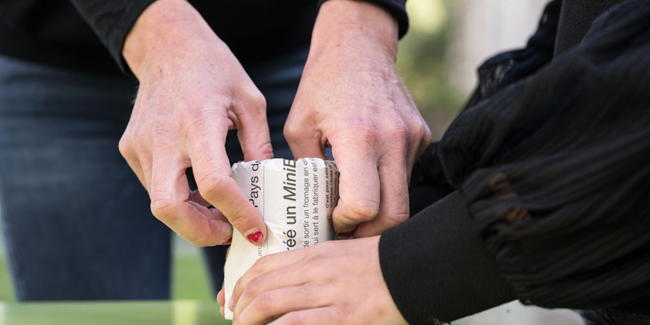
point(344, 234)
point(227, 242)
point(255, 236)
point(231, 304)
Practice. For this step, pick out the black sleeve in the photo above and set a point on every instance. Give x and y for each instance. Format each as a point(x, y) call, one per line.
point(436, 267)
point(112, 21)
point(554, 170)
point(553, 177)
point(396, 7)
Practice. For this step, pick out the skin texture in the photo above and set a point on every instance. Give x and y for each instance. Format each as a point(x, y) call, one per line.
point(192, 90)
point(336, 282)
point(352, 99)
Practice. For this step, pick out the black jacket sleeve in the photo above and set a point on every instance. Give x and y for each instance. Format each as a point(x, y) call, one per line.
point(396, 7)
point(112, 21)
point(436, 267)
point(552, 171)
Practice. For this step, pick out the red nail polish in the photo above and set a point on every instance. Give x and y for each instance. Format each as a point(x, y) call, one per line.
point(227, 242)
point(344, 234)
point(254, 237)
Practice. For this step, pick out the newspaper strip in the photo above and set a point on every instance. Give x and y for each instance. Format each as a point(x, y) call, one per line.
point(296, 200)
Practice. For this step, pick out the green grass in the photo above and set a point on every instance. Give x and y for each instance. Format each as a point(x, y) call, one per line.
point(6, 292)
point(190, 281)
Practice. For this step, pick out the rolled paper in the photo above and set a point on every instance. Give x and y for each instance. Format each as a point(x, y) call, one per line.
point(295, 198)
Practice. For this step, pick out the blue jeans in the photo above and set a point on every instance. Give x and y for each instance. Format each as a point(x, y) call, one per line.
point(76, 219)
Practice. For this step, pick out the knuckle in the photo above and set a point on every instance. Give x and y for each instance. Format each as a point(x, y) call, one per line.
point(292, 131)
point(397, 130)
point(346, 314)
point(202, 241)
point(419, 131)
point(427, 137)
point(125, 147)
point(163, 209)
point(396, 219)
point(254, 287)
point(318, 266)
point(258, 100)
point(366, 133)
point(211, 184)
point(296, 319)
point(264, 302)
point(362, 210)
point(262, 264)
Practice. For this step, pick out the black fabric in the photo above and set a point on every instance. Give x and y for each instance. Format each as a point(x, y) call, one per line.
point(428, 182)
point(54, 32)
point(436, 267)
point(576, 18)
point(551, 160)
point(555, 172)
point(507, 68)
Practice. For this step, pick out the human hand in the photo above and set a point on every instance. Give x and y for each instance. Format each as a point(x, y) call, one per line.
point(192, 91)
point(352, 99)
point(328, 283)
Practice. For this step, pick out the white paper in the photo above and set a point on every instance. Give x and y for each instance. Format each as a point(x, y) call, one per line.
point(296, 200)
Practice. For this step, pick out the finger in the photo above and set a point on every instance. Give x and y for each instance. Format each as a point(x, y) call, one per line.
point(275, 303)
point(359, 195)
point(267, 265)
point(253, 128)
point(169, 193)
point(133, 151)
point(139, 159)
point(316, 316)
point(221, 296)
point(394, 206)
point(195, 196)
point(212, 172)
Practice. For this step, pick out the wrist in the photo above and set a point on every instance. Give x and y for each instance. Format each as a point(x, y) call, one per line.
point(165, 30)
point(357, 27)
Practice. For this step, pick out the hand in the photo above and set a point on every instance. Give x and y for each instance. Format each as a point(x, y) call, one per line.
point(329, 283)
point(192, 91)
point(352, 99)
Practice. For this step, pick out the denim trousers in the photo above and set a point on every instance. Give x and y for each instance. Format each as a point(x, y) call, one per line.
point(76, 220)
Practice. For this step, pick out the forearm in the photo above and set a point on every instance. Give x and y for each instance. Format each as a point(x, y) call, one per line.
point(355, 26)
point(397, 8)
point(166, 30)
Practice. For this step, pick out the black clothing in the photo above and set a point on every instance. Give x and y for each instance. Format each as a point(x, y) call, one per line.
point(575, 20)
point(550, 162)
point(64, 33)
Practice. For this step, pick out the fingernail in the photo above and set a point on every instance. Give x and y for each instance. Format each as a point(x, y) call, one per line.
point(227, 242)
point(344, 234)
point(231, 304)
point(254, 236)
point(222, 311)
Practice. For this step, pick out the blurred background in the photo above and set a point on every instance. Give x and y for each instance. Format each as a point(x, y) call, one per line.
point(447, 41)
